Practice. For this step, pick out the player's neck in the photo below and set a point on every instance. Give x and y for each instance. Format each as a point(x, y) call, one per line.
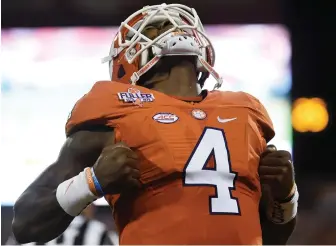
point(181, 82)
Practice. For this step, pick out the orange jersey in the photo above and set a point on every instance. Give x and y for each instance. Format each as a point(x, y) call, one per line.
point(198, 162)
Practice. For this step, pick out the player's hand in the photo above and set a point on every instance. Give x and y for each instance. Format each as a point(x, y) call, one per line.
point(117, 169)
point(276, 171)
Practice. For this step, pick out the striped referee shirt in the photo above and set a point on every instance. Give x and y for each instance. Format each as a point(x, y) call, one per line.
point(81, 231)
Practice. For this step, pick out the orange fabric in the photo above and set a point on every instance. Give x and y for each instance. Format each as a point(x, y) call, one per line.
point(120, 60)
point(129, 68)
point(166, 211)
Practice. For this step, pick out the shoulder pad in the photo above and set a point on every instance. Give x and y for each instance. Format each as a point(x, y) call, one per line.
point(261, 116)
point(95, 107)
point(258, 111)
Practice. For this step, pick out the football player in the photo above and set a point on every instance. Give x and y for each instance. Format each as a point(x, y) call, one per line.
point(178, 165)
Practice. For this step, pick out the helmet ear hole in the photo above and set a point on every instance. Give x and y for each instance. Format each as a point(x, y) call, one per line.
point(121, 72)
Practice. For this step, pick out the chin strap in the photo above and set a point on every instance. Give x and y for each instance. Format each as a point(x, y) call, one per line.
point(136, 76)
point(212, 71)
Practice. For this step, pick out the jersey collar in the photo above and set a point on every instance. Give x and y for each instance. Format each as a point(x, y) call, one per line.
point(198, 98)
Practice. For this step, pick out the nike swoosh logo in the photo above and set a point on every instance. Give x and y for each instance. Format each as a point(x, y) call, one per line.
point(68, 187)
point(225, 120)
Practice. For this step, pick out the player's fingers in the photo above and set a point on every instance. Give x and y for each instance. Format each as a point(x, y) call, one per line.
point(111, 147)
point(271, 179)
point(119, 159)
point(133, 163)
point(135, 173)
point(132, 154)
point(267, 170)
point(268, 178)
point(119, 149)
point(130, 177)
point(271, 147)
point(129, 152)
point(280, 154)
point(133, 182)
point(272, 161)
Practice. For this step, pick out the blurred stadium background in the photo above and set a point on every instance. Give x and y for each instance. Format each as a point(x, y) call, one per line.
point(279, 51)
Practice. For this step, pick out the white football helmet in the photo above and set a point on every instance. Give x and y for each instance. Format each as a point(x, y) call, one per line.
point(129, 56)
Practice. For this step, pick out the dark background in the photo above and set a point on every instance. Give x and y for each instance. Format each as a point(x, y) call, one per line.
point(312, 27)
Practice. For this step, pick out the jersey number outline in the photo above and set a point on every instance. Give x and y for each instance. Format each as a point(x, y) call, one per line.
point(212, 142)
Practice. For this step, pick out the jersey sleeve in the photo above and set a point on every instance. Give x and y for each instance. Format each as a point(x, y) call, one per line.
point(93, 109)
point(262, 118)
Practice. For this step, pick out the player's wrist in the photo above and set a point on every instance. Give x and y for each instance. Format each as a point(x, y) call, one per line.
point(74, 194)
point(281, 212)
point(93, 182)
point(289, 196)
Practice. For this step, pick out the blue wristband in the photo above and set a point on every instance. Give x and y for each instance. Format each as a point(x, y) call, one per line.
point(96, 183)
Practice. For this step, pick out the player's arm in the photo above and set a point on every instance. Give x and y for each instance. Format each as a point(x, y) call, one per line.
point(275, 234)
point(65, 188)
point(38, 216)
point(278, 205)
point(278, 173)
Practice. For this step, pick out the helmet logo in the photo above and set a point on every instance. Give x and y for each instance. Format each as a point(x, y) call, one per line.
point(130, 54)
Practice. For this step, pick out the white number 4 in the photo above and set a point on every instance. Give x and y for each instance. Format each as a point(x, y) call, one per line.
point(213, 143)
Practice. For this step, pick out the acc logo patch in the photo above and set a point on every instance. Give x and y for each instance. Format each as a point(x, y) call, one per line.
point(165, 118)
point(133, 95)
